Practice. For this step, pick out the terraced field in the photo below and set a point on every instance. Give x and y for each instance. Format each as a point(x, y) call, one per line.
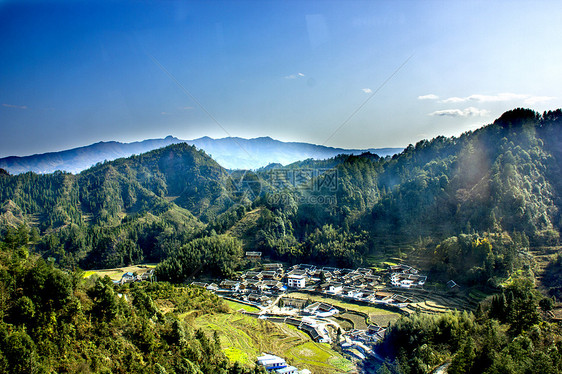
point(320, 355)
point(437, 302)
point(376, 315)
point(345, 323)
point(542, 257)
point(422, 301)
point(350, 320)
point(244, 338)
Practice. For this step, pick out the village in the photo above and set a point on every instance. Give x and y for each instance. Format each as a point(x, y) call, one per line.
point(290, 295)
point(269, 287)
point(260, 287)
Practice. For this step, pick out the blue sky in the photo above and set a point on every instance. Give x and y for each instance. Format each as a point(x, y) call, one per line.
point(74, 73)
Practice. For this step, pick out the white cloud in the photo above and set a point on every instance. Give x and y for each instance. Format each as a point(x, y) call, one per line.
point(475, 112)
point(496, 98)
point(447, 113)
point(294, 76)
point(468, 112)
point(501, 97)
point(367, 90)
point(454, 100)
point(15, 106)
point(538, 99)
point(428, 97)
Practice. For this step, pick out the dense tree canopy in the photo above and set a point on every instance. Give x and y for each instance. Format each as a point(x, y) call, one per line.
point(55, 321)
point(509, 336)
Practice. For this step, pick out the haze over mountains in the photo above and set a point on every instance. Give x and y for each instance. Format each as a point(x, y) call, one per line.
point(231, 153)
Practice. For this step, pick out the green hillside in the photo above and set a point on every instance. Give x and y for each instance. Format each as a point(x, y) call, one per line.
point(500, 181)
point(56, 321)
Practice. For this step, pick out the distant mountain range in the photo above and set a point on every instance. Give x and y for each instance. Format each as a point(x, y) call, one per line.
point(231, 153)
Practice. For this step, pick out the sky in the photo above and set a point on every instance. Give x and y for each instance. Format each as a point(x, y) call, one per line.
point(350, 74)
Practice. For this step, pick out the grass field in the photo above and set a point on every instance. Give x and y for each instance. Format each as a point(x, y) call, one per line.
point(376, 315)
point(117, 273)
point(237, 306)
point(244, 338)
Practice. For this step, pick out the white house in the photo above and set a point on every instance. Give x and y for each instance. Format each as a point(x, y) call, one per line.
point(407, 280)
point(296, 281)
point(287, 370)
point(271, 362)
point(335, 288)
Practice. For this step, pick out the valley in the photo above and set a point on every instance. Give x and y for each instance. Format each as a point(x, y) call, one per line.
point(418, 252)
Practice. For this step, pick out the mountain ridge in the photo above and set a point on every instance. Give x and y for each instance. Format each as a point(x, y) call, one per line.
point(229, 152)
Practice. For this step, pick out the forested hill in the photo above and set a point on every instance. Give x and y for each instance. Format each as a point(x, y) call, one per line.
point(502, 178)
point(505, 176)
point(107, 192)
point(126, 210)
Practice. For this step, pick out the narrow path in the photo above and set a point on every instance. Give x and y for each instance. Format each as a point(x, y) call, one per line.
point(270, 306)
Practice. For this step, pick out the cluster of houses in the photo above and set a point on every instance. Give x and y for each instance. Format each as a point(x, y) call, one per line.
point(129, 277)
point(349, 281)
point(406, 276)
point(267, 281)
point(360, 284)
point(260, 287)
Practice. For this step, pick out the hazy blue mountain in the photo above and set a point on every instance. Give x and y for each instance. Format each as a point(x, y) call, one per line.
point(240, 153)
point(231, 153)
point(77, 159)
